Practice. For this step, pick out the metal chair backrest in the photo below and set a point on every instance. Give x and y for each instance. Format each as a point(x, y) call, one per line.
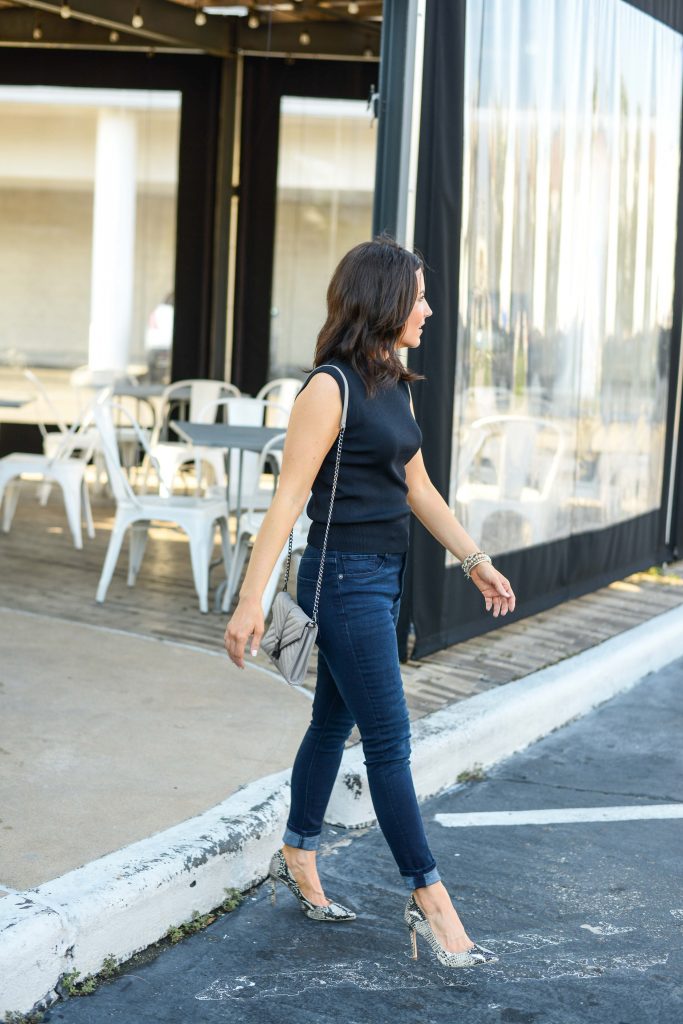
point(522, 450)
point(118, 480)
point(52, 409)
point(81, 437)
point(200, 395)
point(247, 412)
point(283, 391)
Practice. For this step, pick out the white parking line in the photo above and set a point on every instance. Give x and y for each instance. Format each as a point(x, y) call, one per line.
point(560, 815)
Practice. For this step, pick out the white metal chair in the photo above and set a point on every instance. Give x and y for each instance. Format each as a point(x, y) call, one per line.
point(510, 464)
point(65, 466)
point(247, 528)
point(52, 439)
point(125, 435)
point(203, 398)
point(249, 412)
point(282, 391)
point(196, 516)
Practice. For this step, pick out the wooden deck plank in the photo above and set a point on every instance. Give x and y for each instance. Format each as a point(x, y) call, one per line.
point(40, 571)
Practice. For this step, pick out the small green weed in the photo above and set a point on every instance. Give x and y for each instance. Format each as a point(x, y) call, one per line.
point(198, 921)
point(24, 1018)
point(109, 968)
point(474, 774)
point(71, 986)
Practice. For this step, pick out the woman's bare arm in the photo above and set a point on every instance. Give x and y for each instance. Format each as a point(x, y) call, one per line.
point(435, 515)
point(313, 429)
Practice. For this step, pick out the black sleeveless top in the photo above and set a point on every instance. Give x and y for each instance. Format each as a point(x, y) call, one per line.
point(371, 513)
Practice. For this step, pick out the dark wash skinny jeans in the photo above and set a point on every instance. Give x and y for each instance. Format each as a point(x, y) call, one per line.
point(359, 680)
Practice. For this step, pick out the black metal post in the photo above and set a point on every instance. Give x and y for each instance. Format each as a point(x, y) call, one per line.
point(390, 127)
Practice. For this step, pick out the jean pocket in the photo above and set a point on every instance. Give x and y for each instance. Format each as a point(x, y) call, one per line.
point(309, 566)
point(357, 566)
point(308, 569)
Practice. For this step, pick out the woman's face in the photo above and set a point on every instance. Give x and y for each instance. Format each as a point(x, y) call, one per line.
point(415, 322)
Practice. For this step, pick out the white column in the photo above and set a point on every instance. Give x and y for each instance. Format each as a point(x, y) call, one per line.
point(410, 130)
point(113, 244)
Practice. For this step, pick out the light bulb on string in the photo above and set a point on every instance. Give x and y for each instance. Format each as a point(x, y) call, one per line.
point(200, 18)
point(137, 21)
point(353, 8)
point(37, 31)
point(253, 21)
point(114, 36)
point(65, 11)
point(305, 39)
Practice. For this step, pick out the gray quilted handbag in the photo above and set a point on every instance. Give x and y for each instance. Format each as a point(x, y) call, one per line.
point(288, 640)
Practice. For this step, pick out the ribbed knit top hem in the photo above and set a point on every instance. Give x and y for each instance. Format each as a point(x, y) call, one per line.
point(368, 538)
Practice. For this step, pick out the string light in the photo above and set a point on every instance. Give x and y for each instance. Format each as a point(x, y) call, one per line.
point(353, 8)
point(114, 36)
point(305, 39)
point(253, 21)
point(65, 10)
point(200, 17)
point(37, 31)
point(137, 21)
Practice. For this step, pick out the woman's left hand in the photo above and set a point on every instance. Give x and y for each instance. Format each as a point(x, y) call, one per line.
point(498, 594)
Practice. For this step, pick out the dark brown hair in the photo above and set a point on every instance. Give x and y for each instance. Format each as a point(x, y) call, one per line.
point(369, 300)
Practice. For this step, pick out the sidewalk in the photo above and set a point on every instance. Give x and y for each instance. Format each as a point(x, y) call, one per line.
point(142, 777)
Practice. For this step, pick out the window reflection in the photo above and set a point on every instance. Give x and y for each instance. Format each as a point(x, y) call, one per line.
point(88, 181)
point(566, 287)
point(326, 169)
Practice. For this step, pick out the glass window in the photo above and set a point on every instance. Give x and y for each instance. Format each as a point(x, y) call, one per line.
point(571, 158)
point(325, 185)
point(88, 181)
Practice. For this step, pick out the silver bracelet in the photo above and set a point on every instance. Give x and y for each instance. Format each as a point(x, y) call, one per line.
point(475, 558)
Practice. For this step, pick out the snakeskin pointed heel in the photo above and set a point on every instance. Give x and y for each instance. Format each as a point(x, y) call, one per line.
point(279, 872)
point(417, 922)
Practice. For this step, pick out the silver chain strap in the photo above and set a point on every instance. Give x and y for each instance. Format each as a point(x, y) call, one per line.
point(327, 528)
point(290, 544)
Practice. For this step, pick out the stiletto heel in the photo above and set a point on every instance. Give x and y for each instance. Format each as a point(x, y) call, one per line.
point(279, 872)
point(417, 922)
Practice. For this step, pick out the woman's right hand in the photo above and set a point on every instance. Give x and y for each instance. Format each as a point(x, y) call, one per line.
point(247, 621)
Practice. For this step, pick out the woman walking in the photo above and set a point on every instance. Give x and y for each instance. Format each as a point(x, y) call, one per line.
point(376, 306)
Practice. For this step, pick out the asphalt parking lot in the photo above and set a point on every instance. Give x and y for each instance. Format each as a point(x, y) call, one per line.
point(583, 902)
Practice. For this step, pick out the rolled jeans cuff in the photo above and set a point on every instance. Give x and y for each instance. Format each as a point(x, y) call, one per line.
point(421, 879)
point(300, 842)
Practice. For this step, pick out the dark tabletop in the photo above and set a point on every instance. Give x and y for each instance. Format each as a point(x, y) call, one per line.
point(225, 435)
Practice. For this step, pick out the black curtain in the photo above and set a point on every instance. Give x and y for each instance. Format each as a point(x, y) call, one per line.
point(437, 236)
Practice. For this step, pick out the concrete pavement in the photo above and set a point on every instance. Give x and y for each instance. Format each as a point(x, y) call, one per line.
point(107, 738)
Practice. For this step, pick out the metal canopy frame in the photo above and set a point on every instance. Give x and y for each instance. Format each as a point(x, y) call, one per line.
point(171, 27)
point(165, 24)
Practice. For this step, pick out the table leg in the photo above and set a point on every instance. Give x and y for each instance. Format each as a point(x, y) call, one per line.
point(220, 590)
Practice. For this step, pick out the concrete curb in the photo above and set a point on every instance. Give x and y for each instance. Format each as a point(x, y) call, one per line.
point(491, 726)
point(127, 900)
